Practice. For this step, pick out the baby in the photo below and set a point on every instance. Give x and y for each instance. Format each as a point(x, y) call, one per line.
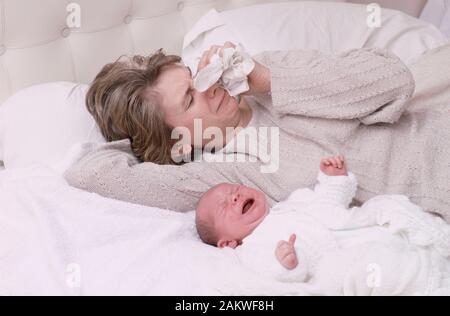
point(313, 237)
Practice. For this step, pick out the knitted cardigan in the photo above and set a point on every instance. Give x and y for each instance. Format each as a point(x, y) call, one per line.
point(354, 103)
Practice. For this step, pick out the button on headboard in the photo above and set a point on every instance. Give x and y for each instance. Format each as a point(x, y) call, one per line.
point(38, 44)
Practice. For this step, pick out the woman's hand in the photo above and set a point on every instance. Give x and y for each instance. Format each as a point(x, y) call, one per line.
point(334, 166)
point(208, 54)
point(258, 79)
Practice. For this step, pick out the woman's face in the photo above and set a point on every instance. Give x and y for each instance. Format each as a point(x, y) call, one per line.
point(182, 103)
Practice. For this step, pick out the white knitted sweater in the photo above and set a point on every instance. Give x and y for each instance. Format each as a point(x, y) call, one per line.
point(355, 104)
point(337, 247)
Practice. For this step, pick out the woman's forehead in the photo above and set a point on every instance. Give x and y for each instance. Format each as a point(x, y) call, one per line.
point(176, 76)
point(173, 83)
point(179, 67)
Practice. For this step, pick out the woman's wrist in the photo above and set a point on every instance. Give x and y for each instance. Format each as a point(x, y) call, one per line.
point(259, 80)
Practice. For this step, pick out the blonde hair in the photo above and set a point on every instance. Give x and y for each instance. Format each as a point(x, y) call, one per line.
point(125, 106)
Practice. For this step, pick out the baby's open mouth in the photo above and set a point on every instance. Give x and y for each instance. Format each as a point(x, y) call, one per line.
point(248, 205)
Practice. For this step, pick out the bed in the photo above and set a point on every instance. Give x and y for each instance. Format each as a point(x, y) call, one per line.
point(46, 49)
point(57, 240)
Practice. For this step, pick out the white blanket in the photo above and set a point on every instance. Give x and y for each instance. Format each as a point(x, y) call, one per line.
point(57, 240)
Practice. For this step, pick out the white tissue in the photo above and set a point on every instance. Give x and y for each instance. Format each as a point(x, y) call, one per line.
point(230, 71)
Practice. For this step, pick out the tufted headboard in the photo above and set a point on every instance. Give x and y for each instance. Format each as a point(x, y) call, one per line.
point(37, 45)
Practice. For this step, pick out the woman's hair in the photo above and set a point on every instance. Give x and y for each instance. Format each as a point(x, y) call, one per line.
point(125, 106)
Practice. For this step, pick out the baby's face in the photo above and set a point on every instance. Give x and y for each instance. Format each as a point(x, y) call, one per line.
point(234, 211)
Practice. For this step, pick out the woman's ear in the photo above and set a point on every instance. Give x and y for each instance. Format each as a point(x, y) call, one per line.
point(186, 150)
point(181, 152)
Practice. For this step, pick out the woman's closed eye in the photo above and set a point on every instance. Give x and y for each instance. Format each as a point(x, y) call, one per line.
point(190, 102)
point(192, 98)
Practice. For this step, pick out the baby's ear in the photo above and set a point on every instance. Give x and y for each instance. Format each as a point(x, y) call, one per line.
point(227, 243)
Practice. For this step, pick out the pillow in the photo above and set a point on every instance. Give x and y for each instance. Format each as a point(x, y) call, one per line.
point(329, 27)
point(41, 123)
point(438, 13)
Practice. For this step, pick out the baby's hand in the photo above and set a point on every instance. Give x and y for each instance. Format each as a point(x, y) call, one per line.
point(286, 254)
point(333, 166)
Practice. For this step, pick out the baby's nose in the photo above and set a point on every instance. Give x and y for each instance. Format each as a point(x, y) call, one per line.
point(236, 198)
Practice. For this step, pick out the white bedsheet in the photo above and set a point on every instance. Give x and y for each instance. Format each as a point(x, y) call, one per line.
point(57, 240)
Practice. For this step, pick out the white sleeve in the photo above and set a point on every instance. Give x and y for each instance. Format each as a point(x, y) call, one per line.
point(261, 259)
point(338, 189)
point(331, 198)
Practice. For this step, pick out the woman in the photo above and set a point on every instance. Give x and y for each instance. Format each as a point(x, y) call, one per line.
point(351, 104)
